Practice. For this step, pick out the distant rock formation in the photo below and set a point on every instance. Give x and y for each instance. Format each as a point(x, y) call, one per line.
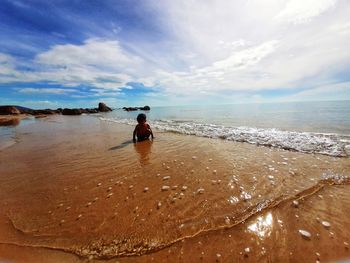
point(103, 107)
point(71, 112)
point(9, 110)
point(145, 108)
point(15, 110)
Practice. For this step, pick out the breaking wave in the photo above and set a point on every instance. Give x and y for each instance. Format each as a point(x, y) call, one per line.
point(307, 142)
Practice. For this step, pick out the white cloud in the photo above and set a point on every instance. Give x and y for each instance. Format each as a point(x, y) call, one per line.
point(45, 91)
point(302, 11)
point(7, 64)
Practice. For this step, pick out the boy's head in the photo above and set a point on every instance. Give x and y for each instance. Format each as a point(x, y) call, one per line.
point(141, 118)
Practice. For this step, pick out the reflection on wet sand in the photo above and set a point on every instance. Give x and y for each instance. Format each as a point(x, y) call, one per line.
point(143, 149)
point(262, 226)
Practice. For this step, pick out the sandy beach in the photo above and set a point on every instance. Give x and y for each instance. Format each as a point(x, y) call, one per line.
point(76, 188)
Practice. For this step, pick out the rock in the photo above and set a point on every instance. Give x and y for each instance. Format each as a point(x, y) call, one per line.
point(71, 112)
point(9, 110)
point(305, 234)
point(103, 107)
point(8, 120)
point(165, 188)
point(200, 191)
point(326, 224)
point(130, 109)
point(295, 203)
point(44, 112)
point(145, 108)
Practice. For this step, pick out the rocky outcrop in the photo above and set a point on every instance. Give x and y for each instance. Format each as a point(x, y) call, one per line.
point(130, 109)
point(145, 108)
point(16, 110)
point(9, 110)
point(71, 111)
point(103, 107)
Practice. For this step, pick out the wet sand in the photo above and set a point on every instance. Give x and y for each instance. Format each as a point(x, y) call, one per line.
point(76, 189)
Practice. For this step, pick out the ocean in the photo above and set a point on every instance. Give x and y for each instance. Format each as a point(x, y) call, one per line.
point(312, 127)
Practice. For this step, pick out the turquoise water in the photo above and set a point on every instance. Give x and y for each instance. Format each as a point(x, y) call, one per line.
point(310, 127)
point(323, 117)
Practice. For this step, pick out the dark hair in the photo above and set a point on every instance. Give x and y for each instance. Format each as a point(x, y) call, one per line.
point(141, 117)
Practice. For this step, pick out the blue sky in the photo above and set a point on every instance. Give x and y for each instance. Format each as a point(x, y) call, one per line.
point(128, 53)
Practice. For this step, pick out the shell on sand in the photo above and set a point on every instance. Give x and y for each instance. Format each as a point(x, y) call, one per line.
point(200, 191)
point(305, 234)
point(326, 224)
point(165, 187)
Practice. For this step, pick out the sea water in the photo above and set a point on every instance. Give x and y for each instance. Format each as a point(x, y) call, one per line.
point(313, 127)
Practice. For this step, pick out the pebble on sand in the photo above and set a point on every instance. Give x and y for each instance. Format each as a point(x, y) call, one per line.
point(62, 221)
point(146, 189)
point(305, 234)
point(184, 188)
point(295, 203)
point(166, 178)
point(79, 216)
point(165, 188)
point(159, 204)
point(214, 171)
point(200, 191)
point(109, 195)
point(194, 157)
point(326, 224)
point(99, 184)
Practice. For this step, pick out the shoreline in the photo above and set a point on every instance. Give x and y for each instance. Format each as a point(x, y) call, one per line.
point(82, 154)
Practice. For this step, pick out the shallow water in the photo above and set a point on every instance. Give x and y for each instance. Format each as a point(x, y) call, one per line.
point(312, 127)
point(78, 184)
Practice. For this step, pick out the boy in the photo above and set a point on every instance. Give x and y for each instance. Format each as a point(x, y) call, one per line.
point(142, 129)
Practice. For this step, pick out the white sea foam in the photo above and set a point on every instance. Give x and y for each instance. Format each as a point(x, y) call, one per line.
point(307, 142)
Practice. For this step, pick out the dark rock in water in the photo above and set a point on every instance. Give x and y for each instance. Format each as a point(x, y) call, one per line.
point(145, 108)
point(103, 107)
point(9, 110)
point(71, 112)
point(44, 112)
point(130, 109)
point(15, 110)
point(93, 110)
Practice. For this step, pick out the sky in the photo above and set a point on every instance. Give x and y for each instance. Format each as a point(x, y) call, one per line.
point(75, 53)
